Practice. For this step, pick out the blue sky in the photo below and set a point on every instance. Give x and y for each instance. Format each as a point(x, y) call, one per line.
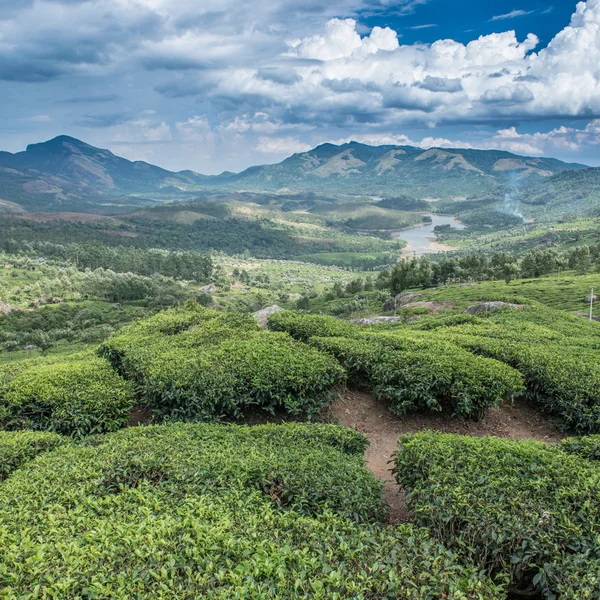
point(216, 85)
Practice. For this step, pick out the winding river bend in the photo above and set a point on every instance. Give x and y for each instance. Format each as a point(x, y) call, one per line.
point(421, 238)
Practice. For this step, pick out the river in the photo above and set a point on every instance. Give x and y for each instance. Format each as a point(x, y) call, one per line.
point(421, 238)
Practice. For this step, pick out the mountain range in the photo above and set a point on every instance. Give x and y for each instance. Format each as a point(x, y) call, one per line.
point(66, 174)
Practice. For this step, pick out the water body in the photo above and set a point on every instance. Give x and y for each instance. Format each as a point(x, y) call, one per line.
point(421, 238)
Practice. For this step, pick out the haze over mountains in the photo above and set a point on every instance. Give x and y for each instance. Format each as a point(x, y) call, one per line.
point(65, 174)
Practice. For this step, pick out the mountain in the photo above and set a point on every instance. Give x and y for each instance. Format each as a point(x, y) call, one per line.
point(567, 193)
point(355, 168)
point(66, 174)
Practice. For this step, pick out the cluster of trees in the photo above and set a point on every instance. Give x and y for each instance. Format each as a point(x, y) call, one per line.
point(473, 266)
point(261, 238)
point(188, 264)
point(69, 283)
point(43, 328)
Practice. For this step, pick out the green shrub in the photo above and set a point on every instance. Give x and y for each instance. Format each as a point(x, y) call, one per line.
point(562, 380)
point(519, 508)
point(77, 395)
point(19, 447)
point(416, 374)
point(196, 511)
point(302, 326)
point(221, 367)
point(586, 446)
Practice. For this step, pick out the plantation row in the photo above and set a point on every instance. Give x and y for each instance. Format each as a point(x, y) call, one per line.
point(197, 364)
point(289, 511)
point(185, 364)
point(466, 363)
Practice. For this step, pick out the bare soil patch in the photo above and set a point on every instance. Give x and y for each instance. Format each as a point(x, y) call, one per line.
point(364, 413)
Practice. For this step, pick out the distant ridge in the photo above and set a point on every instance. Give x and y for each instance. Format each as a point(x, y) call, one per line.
point(66, 174)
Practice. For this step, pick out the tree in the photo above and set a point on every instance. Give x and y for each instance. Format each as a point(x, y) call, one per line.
point(42, 340)
point(355, 286)
point(302, 303)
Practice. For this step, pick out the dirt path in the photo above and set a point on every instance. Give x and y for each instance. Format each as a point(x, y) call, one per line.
point(363, 413)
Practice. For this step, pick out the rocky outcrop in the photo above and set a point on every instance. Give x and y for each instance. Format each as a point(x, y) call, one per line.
point(488, 307)
point(375, 320)
point(262, 316)
point(400, 300)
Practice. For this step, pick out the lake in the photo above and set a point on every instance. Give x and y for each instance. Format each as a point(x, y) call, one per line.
point(421, 238)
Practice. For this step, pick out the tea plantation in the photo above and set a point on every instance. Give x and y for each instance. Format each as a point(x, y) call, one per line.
point(197, 510)
point(198, 505)
point(467, 363)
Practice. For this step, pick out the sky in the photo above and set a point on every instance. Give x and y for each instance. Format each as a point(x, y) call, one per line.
point(214, 85)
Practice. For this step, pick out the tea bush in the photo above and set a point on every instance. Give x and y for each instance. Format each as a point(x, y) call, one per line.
point(19, 447)
point(303, 326)
point(562, 380)
point(192, 511)
point(414, 374)
point(76, 395)
point(557, 353)
point(585, 446)
point(221, 367)
point(525, 509)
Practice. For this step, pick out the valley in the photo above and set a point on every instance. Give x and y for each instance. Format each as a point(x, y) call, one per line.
point(333, 377)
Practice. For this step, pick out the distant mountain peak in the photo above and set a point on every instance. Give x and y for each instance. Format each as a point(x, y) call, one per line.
point(65, 173)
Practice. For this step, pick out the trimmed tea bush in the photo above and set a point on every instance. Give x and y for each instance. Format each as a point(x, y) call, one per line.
point(524, 509)
point(587, 446)
point(303, 326)
point(19, 447)
point(415, 374)
point(221, 367)
point(77, 396)
point(557, 353)
point(562, 380)
point(193, 511)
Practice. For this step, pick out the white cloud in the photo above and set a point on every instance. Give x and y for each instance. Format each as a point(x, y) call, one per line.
point(512, 15)
point(561, 140)
point(142, 130)
point(341, 40)
point(281, 146)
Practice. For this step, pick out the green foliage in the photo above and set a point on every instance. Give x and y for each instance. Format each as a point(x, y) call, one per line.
point(76, 395)
point(195, 511)
point(199, 364)
point(304, 326)
point(19, 447)
point(519, 508)
point(557, 354)
point(586, 446)
point(416, 374)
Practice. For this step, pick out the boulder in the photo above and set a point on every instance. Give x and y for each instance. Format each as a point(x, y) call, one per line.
point(210, 288)
point(488, 307)
point(262, 316)
point(400, 300)
point(374, 320)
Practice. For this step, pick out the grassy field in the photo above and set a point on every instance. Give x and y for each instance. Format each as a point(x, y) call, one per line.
point(565, 291)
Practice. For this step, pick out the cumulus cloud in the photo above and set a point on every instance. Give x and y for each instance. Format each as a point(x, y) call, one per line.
point(563, 140)
point(281, 146)
point(508, 95)
point(220, 72)
point(341, 40)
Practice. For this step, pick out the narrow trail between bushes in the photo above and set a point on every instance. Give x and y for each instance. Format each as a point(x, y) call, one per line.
point(364, 413)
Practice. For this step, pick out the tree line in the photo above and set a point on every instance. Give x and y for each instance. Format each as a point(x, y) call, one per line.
point(186, 264)
point(475, 266)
